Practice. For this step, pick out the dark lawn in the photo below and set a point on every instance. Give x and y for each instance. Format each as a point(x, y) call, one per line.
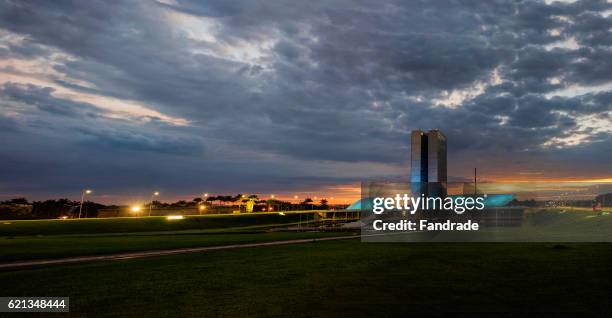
point(341, 278)
point(58, 246)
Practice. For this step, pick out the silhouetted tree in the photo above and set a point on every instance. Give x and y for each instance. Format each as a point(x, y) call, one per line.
point(604, 199)
point(16, 201)
point(324, 205)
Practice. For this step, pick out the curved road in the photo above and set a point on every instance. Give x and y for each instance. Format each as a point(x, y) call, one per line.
point(133, 255)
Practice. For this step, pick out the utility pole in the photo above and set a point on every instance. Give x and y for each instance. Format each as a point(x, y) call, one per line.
point(475, 183)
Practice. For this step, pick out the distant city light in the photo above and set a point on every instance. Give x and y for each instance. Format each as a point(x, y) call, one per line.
point(87, 191)
point(156, 193)
point(135, 209)
point(272, 196)
point(174, 217)
point(281, 213)
point(202, 207)
point(63, 217)
point(205, 194)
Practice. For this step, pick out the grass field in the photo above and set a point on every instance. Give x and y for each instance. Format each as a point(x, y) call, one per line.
point(342, 278)
point(57, 246)
point(146, 224)
point(23, 240)
point(54, 238)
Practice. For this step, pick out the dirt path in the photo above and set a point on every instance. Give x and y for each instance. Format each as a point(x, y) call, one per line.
point(132, 255)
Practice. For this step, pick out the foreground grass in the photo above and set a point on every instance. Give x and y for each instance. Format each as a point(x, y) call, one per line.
point(342, 278)
point(44, 247)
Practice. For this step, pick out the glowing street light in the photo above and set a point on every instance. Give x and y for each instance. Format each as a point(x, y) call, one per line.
point(86, 191)
point(135, 209)
point(155, 194)
point(270, 208)
point(205, 197)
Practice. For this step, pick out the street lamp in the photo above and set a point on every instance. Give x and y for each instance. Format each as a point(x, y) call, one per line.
point(135, 209)
point(205, 198)
point(86, 191)
point(151, 205)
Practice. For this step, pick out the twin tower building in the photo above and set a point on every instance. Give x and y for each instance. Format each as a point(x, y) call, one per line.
point(428, 162)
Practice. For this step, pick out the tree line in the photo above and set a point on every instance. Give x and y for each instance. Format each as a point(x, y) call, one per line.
point(21, 208)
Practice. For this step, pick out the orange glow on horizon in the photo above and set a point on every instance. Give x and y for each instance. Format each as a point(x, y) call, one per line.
point(560, 179)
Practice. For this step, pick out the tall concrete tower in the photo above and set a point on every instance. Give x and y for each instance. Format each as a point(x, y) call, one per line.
point(428, 162)
point(418, 156)
point(436, 156)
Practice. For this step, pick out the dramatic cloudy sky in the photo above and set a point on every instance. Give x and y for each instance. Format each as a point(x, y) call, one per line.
point(296, 96)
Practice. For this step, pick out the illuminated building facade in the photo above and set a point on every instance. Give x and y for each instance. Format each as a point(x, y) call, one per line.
point(428, 162)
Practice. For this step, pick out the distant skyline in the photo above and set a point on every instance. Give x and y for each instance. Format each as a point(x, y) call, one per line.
point(293, 97)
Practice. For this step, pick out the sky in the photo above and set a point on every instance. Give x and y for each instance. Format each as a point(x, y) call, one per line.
point(300, 98)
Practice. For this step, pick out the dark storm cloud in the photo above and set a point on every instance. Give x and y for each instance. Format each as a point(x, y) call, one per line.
point(289, 83)
point(23, 50)
point(41, 98)
point(118, 140)
point(89, 125)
